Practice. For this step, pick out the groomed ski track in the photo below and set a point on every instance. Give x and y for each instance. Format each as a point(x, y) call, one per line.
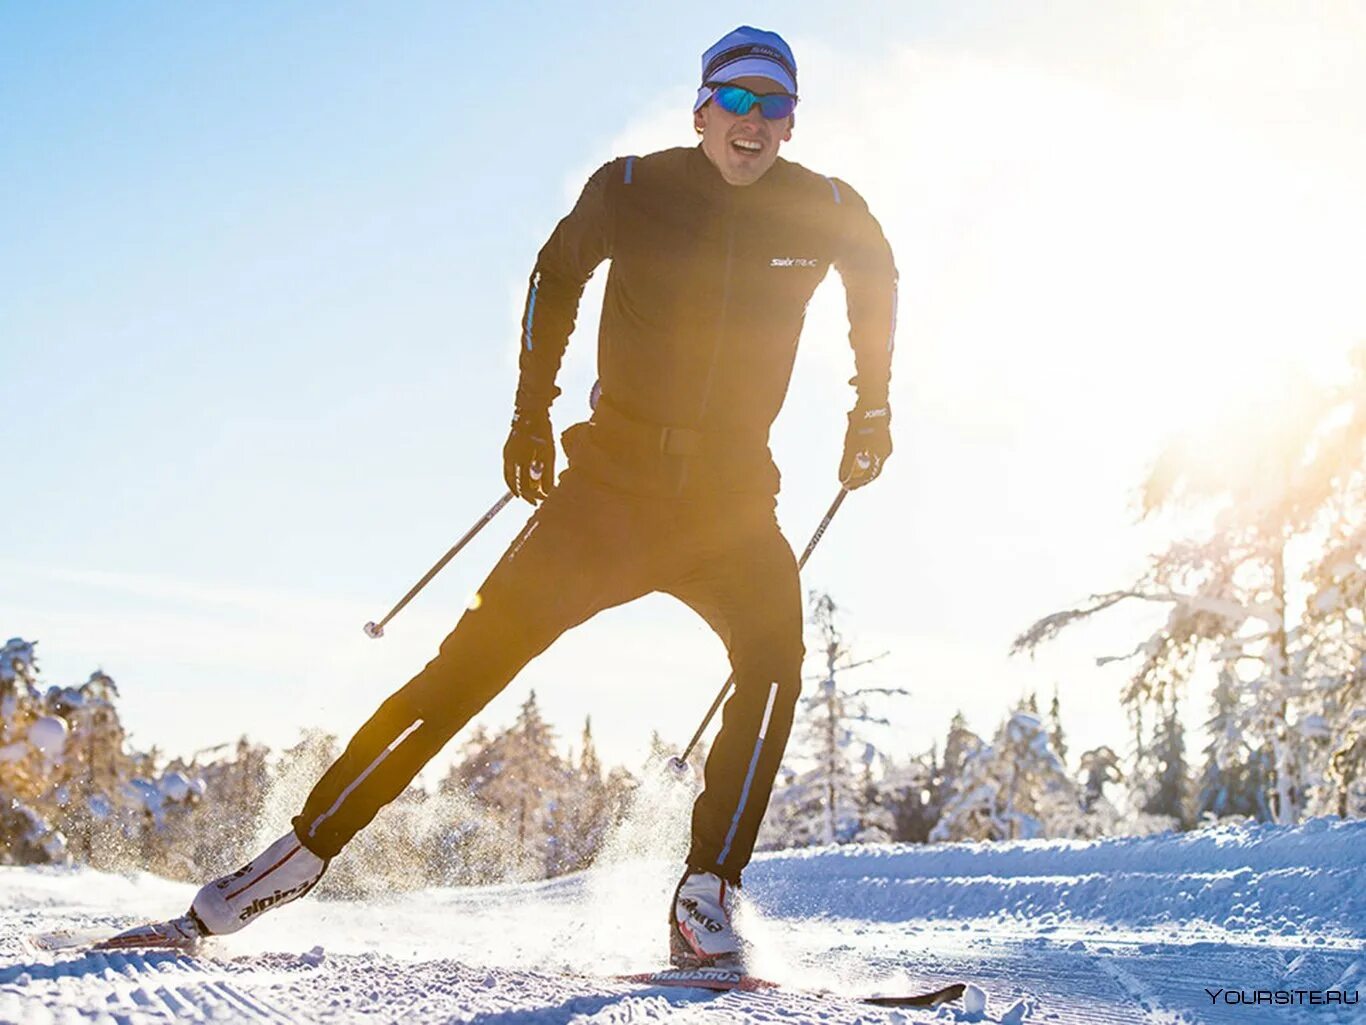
point(1119, 931)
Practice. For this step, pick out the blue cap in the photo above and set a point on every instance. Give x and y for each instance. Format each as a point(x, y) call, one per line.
point(748, 51)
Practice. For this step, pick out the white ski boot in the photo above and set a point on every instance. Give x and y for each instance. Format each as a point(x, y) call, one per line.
point(700, 930)
point(284, 871)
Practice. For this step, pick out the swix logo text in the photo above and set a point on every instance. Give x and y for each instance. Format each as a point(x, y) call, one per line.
point(793, 261)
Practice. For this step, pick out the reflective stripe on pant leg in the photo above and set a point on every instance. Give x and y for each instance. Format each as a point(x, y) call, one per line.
point(313, 827)
point(749, 776)
point(574, 540)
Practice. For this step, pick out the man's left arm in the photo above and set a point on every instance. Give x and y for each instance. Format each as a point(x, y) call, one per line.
point(864, 261)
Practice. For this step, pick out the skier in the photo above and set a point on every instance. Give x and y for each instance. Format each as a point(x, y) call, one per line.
point(715, 251)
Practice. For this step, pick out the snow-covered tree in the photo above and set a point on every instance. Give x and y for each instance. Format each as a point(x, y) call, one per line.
point(1270, 492)
point(1333, 646)
point(1231, 783)
point(523, 784)
point(910, 792)
point(204, 814)
point(959, 746)
point(827, 792)
point(31, 747)
point(517, 771)
point(1055, 734)
point(1017, 788)
point(475, 846)
point(104, 799)
point(588, 806)
point(1162, 777)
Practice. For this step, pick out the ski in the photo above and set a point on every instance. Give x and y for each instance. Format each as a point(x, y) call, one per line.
point(64, 939)
point(169, 935)
point(724, 980)
point(172, 934)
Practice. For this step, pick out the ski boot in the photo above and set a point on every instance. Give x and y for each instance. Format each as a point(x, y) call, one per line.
point(700, 931)
point(183, 933)
point(284, 871)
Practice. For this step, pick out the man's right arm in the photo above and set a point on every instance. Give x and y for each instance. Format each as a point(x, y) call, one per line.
point(579, 243)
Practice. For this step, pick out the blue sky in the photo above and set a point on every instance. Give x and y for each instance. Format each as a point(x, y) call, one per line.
point(261, 267)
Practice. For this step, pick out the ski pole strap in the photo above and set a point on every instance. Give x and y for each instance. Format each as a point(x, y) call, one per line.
point(376, 630)
point(682, 759)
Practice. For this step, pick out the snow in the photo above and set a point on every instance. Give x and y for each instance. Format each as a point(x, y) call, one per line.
point(1122, 930)
point(48, 734)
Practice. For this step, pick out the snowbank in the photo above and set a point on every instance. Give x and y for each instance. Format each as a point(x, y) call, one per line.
point(1257, 878)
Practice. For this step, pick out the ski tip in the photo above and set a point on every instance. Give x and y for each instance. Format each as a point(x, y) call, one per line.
point(57, 940)
point(933, 998)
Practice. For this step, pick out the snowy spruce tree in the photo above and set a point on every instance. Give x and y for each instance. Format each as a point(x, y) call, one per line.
point(1100, 767)
point(590, 803)
point(100, 807)
point(960, 746)
point(71, 786)
point(910, 792)
point(31, 747)
point(234, 782)
point(475, 846)
point(1055, 734)
point(829, 790)
point(519, 775)
point(521, 783)
point(1232, 783)
point(1332, 635)
point(1271, 493)
point(1016, 788)
point(1162, 776)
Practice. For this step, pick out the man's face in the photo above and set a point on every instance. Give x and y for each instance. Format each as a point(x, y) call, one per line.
point(742, 148)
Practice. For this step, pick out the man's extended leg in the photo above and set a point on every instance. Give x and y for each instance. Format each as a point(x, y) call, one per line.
point(574, 557)
point(747, 589)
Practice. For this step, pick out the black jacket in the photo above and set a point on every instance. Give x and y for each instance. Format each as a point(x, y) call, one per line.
point(704, 303)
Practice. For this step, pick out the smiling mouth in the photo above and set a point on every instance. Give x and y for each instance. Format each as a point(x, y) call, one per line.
point(747, 147)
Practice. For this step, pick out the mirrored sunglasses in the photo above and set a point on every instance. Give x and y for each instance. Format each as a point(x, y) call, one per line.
point(740, 101)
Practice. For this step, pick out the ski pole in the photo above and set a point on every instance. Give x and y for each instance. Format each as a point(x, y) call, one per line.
point(376, 630)
point(679, 763)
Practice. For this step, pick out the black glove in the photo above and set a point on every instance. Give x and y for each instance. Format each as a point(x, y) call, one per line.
point(529, 457)
point(867, 444)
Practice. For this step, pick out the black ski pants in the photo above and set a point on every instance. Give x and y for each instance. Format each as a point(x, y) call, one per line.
point(588, 548)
